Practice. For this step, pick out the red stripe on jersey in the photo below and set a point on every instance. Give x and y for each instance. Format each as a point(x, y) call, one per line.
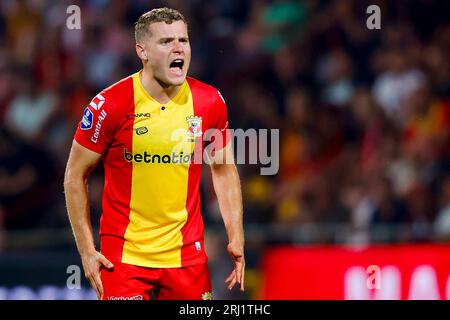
point(193, 230)
point(117, 194)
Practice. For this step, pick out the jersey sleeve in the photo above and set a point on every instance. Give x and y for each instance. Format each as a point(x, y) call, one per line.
point(219, 123)
point(96, 128)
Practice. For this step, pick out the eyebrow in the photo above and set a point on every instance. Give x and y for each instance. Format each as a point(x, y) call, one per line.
point(172, 38)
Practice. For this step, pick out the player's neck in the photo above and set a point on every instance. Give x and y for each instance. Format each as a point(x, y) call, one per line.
point(155, 89)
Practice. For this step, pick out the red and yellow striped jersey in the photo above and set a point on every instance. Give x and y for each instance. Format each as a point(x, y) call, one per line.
point(151, 202)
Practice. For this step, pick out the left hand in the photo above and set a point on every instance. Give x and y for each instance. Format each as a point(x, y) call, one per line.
point(236, 252)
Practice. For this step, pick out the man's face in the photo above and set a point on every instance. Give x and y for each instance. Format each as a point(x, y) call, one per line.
point(168, 52)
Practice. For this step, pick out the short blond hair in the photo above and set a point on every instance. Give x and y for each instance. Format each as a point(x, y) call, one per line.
point(165, 14)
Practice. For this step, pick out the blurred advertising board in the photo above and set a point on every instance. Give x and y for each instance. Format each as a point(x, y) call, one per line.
point(43, 275)
point(381, 272)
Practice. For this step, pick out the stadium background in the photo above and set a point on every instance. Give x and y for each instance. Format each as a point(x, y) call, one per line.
point(364, 139)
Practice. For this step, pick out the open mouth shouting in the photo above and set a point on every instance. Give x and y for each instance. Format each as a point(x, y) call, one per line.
point(176, 67)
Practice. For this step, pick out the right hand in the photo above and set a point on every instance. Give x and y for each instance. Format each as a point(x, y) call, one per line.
point(236, 252)
point(92, 264)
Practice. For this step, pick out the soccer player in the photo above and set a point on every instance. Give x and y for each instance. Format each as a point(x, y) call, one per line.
point(148, 130)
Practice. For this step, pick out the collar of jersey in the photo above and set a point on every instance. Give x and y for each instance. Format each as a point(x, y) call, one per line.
point(177, 100)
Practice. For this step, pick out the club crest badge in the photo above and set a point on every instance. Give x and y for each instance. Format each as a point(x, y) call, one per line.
point(195, 126)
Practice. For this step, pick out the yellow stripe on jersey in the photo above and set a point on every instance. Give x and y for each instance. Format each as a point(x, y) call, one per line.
point(159, 189)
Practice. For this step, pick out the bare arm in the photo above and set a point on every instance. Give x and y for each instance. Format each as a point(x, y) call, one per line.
point(79, 166)
point(228, 190)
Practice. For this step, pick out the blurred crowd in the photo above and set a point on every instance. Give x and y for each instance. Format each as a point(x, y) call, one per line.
point(364, 115)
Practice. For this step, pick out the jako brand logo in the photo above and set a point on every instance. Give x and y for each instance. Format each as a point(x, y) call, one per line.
point(138, 115)
point(175, 158)
point(98, 126)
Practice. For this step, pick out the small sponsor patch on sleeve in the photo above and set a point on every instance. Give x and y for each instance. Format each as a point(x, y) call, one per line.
point(97, 102)
point(86, 121)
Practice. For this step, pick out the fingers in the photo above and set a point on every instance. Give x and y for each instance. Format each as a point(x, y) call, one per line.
point(105, 262)
point(242, 278)
point(232, 274)
point(231, 285)
point(92, 266)
point(237, 275)
point(240, 273)
point(94, 286)
point(98, 284)
point(238, 269)
point(232, 282)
